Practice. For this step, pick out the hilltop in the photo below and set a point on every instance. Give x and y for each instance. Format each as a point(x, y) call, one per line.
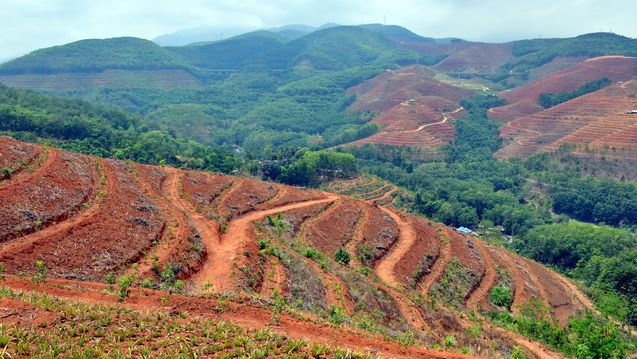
point(119, 62)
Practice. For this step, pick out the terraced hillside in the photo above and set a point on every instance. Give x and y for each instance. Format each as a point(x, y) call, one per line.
point(413, 108)
point(352, 262)
point(597, 119)
point(522, 101)
point(371, 189)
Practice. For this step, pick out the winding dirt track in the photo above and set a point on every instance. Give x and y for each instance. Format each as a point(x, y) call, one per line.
point(224, 251)
point(164, 251)
point(406, 239)
point(519, 295)
point(439, 267)
point(384, 195)
point(486, 282)
point(385, 271)
point(359, 236)
point(208, 230)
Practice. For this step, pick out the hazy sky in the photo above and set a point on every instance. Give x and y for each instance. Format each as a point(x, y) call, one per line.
point(26, 25)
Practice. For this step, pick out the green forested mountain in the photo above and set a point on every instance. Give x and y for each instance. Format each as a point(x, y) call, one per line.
point(231, 53)
point(534, 53)
point(397, 33)
point(126, 53)
point(335, 48)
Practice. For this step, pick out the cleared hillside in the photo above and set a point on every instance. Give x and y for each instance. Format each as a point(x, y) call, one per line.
point(413, 108)
point(598, 119)
point(216, 233)
point(522, 101)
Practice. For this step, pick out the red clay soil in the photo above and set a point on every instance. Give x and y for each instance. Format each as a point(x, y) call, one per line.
point(384, 196)
point(616, 68)
point(481, 294)
point(18, 157)
point(515, 281)
point(335, 227)
point(560, 299)
point(547, 129)
point(522, 101)
point(484, 58)
point(426, 122)
point(357, 239)
point(422, 254)
point(275, 280)
point(115, 234)
point(441, 262)
point(18, 312)
point(63, 185)
point(137, 220)
point(202, 188)
point(238, 312)
point(181, 236)
point(379, 233)
point(558, 64)
point(245, 196)
point(288, 195)
point(219, 264)
point(406, 239)
point(395, 87)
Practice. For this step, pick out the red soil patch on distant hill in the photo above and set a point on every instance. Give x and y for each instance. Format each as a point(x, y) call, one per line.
point(597, 119)
point(522, 101)
point(413, 108)
point(478, 58)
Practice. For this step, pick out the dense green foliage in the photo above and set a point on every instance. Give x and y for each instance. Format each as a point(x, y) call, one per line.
point(534, 53)
point(566, 245)
point(302, 167)
point(230, 54)
point(259, 111)
point(334, 48)
point(585, 337)
point(548, 100)
point(476, 135)
point(83, 127)
point(117, 53)
point(582, 197)
point(501, 296)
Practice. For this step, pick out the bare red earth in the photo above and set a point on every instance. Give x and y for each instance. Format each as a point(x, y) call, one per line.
point(134, 224)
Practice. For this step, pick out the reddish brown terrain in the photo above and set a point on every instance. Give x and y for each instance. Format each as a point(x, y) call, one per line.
point(598, 120)
point(479, 58)
point(465, 56)
point(522, 101)
point(85, 218)
point(413, 108)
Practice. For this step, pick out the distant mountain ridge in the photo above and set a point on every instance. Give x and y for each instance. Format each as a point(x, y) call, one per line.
point(218, 33)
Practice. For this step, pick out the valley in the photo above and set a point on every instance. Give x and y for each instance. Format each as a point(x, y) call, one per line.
point(346, 191)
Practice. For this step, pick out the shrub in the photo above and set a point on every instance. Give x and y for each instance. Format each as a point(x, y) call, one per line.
point(501, 296)
point(342, 256)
